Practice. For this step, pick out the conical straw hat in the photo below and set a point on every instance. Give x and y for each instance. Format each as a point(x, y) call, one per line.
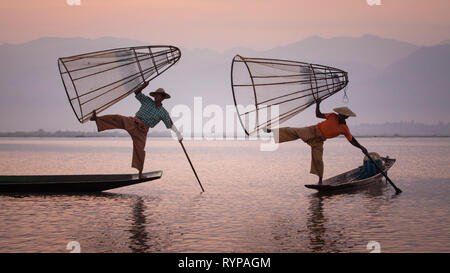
point(344, 111)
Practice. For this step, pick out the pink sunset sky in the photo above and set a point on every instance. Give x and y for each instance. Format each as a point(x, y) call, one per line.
point(222, 24)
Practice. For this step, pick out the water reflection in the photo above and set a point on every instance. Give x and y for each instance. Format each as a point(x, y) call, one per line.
point(327, 218)
point(316, 224)
point(139, 236)
point(253, 201)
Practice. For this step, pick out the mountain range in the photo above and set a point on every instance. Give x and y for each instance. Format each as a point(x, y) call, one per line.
point(390, 80)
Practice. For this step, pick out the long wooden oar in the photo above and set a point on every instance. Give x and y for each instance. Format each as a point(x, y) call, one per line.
point(397, 190)
point(182, 146)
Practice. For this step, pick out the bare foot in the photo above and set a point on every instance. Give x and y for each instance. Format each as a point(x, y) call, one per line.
point(141, 176)
point(94, 116)
point(266, 130)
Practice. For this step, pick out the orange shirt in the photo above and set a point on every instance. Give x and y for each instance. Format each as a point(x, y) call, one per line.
point(332, 128)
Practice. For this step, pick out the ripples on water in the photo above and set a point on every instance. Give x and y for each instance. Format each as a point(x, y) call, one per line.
point(254, 201)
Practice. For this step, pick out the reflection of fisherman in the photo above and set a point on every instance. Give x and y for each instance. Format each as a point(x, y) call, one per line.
point(315, 136)
point(150, 113)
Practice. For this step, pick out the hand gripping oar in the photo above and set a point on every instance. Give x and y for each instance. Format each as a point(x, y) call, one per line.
point(182, 146)
point(397, 190)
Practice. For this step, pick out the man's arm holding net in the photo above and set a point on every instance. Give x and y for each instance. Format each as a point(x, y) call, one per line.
point(318, 113)
point(141, 87)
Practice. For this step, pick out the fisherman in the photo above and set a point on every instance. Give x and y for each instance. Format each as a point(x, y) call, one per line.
point(150, 113)
point(315, 136)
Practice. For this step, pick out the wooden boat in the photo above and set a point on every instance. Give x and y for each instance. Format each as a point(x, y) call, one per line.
point(71, 183)
point(350, 179)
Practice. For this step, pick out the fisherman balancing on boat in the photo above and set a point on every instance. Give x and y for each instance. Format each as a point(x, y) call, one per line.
point(315, 136)
point(150, 113)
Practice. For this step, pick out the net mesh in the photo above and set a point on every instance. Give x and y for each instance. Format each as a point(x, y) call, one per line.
point(95, 81)
point(268, 92)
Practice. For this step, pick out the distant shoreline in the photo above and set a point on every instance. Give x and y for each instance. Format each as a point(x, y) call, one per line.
point(166, 134)
point(389, 129)
point(208, 137)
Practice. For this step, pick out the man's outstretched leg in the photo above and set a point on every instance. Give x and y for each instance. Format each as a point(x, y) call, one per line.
point(286, 134)
point(109, 122)
point(136, 129)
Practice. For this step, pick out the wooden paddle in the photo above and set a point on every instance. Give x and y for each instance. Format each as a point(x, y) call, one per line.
point(182, 146)
point(397, 190)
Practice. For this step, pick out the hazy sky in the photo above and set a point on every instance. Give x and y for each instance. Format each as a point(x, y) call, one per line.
point(221, 24)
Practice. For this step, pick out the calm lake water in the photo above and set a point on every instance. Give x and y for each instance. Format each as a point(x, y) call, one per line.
point(254, 201)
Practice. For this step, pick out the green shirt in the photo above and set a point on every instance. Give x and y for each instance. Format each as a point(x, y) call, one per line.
point(150, 114)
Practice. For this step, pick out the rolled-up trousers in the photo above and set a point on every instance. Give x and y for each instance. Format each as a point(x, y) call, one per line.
point(137, 130)
point(312, 136)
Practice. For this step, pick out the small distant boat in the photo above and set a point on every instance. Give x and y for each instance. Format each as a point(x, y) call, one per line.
point(71, 183)
point(351, 179)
